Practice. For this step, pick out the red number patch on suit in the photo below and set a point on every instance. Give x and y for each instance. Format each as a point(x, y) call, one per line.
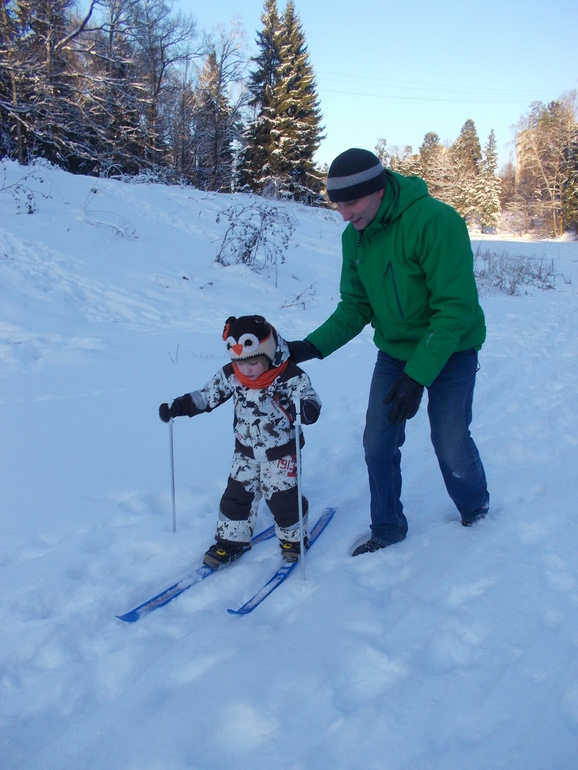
point(288, 464)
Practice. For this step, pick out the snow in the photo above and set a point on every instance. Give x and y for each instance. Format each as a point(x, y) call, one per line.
point(457, 648)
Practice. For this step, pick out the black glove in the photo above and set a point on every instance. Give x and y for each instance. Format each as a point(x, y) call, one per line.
point(404, 397)
point(309, 411)
point(179, 408)
point(302, 350)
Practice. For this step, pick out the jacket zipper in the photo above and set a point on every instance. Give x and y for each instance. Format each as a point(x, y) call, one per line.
point(389, 265)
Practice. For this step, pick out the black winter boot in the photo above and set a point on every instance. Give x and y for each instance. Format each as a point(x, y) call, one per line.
point(292, 551)
point(468, 522)
point(368, 547)
point(224, 552)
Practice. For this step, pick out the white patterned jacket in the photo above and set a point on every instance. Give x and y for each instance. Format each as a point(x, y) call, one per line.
point(264, 428)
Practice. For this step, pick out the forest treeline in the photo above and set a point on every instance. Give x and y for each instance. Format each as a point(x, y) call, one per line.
point(537, 193)
point(134, 89)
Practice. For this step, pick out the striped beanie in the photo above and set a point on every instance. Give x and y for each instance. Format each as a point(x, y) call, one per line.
point(354, 174)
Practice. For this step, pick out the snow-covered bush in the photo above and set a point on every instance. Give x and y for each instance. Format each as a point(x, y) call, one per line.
point(24, 191)
point(302, 298)
point(257, 236)
point(507, 274)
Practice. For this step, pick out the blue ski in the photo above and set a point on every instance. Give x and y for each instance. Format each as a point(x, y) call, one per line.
point(284, 571)
point(177, 589)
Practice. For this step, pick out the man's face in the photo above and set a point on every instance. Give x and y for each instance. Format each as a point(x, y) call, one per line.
point(361, 212)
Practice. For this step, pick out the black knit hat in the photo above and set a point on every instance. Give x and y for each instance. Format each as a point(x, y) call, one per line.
point(354, 174)
point(249, 336)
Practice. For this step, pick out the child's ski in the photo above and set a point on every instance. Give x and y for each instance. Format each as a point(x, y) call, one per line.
point(177, 589)
point(283, 571)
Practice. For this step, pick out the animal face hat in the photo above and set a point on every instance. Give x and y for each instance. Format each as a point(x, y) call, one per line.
point(250, 336)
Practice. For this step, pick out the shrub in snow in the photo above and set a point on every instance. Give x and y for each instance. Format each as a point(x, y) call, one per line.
point(302, 298)
point(257, 236)
point(22, 191)
point(507, 274)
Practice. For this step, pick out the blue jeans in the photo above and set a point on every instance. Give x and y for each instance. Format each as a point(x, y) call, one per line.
point(450, 413)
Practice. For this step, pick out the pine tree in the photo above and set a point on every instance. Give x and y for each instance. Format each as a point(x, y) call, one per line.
point(466, 149)
point(487, 201)
point(44, 103)
point(211, 116)
point(405, 161)
point(262, 81)
point(433, 167)
point(11, 126)
point(287, 129)
point(465, 157)
point(296, 130)
point(216, 117)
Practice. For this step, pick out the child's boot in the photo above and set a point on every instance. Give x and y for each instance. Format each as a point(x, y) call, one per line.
point(223, 552)
point(291, 551)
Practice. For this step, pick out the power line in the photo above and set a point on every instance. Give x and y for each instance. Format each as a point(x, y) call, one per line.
point(421, 86)
point(423, 98)
point(447, 93)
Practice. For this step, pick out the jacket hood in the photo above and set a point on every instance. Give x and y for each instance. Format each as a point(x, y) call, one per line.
point(401, 192)
point(281, 351)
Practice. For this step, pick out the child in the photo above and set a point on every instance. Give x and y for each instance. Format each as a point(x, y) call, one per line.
point(264, 384)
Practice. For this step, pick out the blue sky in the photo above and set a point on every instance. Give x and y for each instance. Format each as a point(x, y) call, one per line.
point(398, 70)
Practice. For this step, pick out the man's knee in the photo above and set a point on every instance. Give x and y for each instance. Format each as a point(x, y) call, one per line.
point(381, 442)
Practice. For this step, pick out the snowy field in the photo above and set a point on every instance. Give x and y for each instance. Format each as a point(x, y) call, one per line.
point(454, 650)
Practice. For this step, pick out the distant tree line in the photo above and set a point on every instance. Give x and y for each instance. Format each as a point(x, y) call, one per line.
point(461, 175)
point(132, 88)
point(537, 193)
point(541, 190)
point(93, 94)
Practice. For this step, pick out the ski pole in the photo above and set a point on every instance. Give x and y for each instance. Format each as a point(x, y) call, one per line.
point(173, 475)
point(299, 498)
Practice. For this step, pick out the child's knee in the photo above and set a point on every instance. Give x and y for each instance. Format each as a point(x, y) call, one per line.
point(236, 501)
point(284, 505)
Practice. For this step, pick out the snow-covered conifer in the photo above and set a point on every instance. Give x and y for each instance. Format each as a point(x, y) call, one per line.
point(286, 130)
point(488, 186)
point(465, 157)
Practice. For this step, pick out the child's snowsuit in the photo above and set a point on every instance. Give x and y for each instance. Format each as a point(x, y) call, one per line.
point(264, 461)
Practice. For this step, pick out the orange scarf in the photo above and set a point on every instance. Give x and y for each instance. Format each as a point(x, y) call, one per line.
point(264, 380)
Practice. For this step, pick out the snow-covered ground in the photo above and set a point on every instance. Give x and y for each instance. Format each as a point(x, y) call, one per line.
point(456, 649)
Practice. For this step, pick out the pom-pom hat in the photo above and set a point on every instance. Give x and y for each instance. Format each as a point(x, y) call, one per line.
point(354, 174)
point(249, 336)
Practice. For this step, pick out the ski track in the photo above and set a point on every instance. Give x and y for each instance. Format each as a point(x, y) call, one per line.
point(456, 648)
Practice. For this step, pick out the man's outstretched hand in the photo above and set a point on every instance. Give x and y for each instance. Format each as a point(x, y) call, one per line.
point(404, 397)
point(302, 350)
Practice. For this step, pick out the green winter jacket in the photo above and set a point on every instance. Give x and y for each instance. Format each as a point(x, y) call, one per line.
point(410, 274)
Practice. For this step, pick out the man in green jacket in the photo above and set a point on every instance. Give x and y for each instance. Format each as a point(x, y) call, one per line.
point(408, 271)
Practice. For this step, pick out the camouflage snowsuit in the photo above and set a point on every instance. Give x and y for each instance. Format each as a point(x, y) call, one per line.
point(264, 461)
